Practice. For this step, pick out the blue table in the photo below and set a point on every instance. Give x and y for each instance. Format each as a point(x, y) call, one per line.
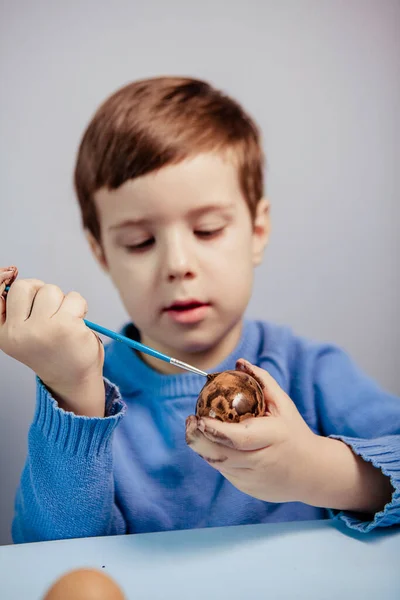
point(312, 560)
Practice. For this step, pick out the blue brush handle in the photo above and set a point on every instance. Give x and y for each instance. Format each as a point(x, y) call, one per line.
point(125, 340)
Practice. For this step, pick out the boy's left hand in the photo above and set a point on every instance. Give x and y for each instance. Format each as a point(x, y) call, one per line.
point(266, 457)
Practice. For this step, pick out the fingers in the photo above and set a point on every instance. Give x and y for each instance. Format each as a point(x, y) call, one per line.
point(252, 434)
point(32, 298)
point(20, 299)
point(74, 304)
point(47, 302)
point(223, 451)
point(7, 276)
point(220, 457)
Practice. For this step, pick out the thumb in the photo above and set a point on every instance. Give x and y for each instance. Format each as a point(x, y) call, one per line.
point(275, 398)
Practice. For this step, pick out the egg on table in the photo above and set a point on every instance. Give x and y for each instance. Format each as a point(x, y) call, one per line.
point(84, 584)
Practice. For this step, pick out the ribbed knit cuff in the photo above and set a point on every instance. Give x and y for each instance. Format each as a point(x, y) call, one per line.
point(384, 454)
point(77, 435)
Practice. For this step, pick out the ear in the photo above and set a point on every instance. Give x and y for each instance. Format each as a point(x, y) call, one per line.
point(261, 230)
point(97, 251)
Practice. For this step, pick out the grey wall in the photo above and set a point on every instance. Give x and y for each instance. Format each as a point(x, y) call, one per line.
point(323, 80)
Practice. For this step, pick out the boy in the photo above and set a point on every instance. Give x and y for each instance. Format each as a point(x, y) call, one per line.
point(170, 185)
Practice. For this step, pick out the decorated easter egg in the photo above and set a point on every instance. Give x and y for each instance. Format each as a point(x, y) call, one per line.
point(230, 396)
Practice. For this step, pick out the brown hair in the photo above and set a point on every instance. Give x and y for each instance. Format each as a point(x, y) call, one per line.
point(156, 122)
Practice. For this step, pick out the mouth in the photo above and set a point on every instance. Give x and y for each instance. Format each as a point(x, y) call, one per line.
point(182, 305)
point(187, 311)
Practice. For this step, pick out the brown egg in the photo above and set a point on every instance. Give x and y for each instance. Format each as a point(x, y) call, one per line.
point(84, 584)
point(230, 396)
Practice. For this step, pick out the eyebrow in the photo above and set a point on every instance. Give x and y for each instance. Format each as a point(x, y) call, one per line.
point(129, 223)
point(211, 208)
point(196, 212)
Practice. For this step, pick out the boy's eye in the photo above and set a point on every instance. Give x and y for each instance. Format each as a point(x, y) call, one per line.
point(209, 233)
point(143, 245)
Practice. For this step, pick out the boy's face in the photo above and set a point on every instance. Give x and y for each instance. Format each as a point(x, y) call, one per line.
point(180, 246)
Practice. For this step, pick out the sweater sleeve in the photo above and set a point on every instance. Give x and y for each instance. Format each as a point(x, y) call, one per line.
point(67, 486)
point(353, 408)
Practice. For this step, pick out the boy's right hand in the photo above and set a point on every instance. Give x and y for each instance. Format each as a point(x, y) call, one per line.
point(44, 329)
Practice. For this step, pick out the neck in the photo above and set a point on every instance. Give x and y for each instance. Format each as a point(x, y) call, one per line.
point(205, 359)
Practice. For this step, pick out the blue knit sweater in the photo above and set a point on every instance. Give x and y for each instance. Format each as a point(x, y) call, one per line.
point(133, 472)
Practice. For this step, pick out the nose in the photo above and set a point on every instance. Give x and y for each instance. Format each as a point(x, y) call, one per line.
point(178, 257)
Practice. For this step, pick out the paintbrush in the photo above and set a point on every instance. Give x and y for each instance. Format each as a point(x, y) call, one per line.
point(141, 347)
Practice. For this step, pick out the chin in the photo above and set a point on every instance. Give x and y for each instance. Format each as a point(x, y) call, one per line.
point(198, 342)
point(195, 346)
point(192, 340)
